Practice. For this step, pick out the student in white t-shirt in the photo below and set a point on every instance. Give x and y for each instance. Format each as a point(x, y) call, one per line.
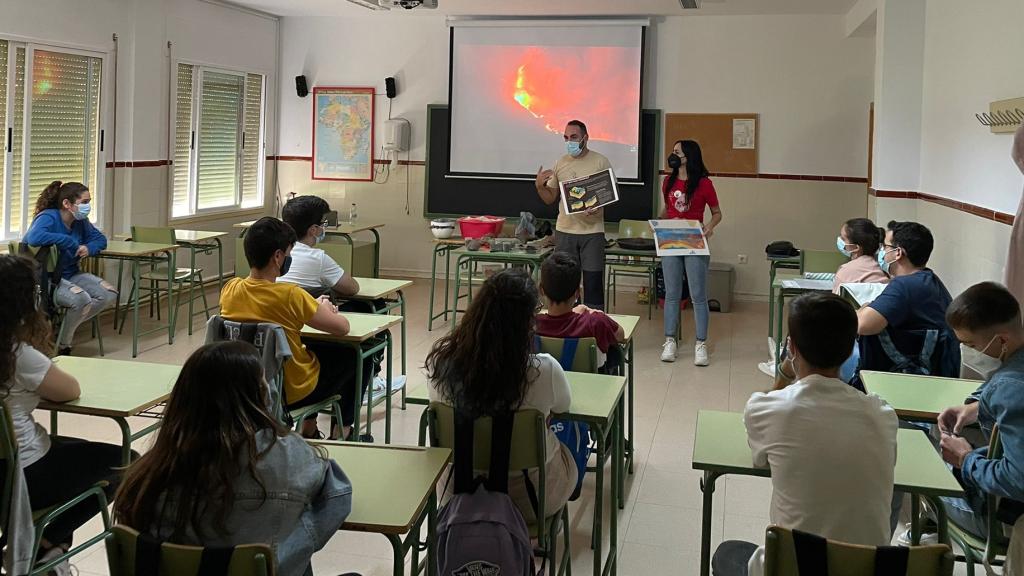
point(831, 448)
point(56, 468)
point(311, 267)
point(498, 373)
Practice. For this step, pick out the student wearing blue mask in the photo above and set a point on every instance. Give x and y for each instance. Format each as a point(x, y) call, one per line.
point(62, 221)
point(859, 240)
point(312, 268)
point(581, 235)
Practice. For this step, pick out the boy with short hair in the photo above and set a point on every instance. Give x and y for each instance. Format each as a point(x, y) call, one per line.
point(987, 320)
point(317, 369)
point(560, 277)
point(312, 268)
point(831, 449)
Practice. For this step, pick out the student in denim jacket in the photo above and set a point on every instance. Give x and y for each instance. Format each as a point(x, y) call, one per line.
point(223, 472)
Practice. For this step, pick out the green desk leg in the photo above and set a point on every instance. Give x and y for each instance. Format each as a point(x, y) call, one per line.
point(780, 308)
point(401, 299)
point(458, 285)
point(376, 252)
point(596, 541)
point(398, 550)
point(220, 266)
point(387, 392)
point(134, 296)
point(771, 297)
point(117, 297)
point(172, 312)
point(629, 392)
point(359, 392)
point(915, 520)
point(433, 284)
point(940, 519)
point(432, 534)
point(707, 486)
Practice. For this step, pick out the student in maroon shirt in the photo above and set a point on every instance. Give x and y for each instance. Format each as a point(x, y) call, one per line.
point(560, 277)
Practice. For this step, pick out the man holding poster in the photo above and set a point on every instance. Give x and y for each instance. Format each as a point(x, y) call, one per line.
point(580, 234)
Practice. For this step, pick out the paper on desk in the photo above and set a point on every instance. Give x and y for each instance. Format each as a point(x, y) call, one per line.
point(864, 292)
point(805, 284)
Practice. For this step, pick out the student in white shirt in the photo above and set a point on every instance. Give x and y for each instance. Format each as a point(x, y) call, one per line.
point(486, 366)
point(56, 468)
point(831, 448)
point(311, 267)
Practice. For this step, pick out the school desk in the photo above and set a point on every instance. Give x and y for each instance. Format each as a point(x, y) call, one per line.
point(393, 492)
point(781, 292)
point(628, 323)
point(139, 253)
point(363, 327)
point(776, 263)
point(345, 230)
point(470, 258)
point(918, 398)
point(441, 246)
point(596, 400)
point(720, 447)
point(115, 389)
point(373, 290)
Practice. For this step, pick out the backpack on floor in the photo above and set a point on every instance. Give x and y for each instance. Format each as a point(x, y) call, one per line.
point(480, 532)
point(574, 434)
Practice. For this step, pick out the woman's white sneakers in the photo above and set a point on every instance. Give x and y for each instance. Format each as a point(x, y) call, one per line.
point(668, 350)
point(700, 354)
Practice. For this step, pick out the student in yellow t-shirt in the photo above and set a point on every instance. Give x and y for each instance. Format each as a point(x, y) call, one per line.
point(317, 369)
point(581, 235)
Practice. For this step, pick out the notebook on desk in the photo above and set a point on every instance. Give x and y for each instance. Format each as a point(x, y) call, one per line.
point(864, 292)
point(807, 284)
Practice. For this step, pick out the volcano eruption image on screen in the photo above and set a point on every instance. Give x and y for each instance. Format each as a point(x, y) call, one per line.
point(510, 105)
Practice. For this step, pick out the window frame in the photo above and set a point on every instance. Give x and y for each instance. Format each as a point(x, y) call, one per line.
point(104, 110)
point(194, 211)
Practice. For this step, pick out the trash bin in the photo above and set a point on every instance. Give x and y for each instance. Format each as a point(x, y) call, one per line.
point(721, 277)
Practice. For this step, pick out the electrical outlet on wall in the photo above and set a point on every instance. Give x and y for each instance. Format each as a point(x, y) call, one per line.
point(742, 258)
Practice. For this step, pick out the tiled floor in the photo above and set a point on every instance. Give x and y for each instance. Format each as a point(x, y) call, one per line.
point(659, 530)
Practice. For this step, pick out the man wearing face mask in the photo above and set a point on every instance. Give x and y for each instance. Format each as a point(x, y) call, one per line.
point(581, 235)
point(987, 320)
point(905, 327)
point(317, 369)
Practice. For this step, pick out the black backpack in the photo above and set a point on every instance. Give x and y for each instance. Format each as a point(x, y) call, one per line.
point(781, 249)
point(47, 280)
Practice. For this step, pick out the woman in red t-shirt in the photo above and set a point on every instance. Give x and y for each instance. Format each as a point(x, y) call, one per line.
point(687, 199)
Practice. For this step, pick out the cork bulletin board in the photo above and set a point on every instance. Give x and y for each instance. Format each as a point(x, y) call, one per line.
point(729, 142)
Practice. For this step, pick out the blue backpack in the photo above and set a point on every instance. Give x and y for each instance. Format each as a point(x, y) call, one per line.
point(572, 433)
point(480, 532)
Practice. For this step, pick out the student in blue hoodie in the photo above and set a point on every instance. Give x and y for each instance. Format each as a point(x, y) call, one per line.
point(62, 220)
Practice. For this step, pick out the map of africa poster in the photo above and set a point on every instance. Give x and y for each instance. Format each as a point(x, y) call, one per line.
point(342, 133)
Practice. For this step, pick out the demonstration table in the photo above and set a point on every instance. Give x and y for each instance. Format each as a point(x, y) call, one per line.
point(918, 398)
point(469, 259)
point(363, 327)
point(720, 447)
point(115, 389)
point(441, 246)
point(393, 492)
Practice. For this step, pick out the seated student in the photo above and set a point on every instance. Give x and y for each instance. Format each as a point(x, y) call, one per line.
point(62, 220)
point(211, 480)
point(831, 449)
point(560, 277)
point(318, 369)
point(987, 319)
point(56, 468)
point(492, 370)
point(859, 240)
point(311, 267)
point(907, 321)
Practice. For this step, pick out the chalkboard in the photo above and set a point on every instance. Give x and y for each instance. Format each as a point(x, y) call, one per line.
point(449, 196)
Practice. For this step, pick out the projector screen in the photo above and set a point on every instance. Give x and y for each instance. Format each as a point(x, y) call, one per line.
point(514, 86)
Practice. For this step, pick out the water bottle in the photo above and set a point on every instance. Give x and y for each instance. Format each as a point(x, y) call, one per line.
point(352, 213)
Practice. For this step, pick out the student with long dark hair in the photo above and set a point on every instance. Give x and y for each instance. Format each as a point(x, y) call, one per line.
point(486, 366)
point(224, 472)
point(859, 240)
point(56, 468)
point(62, 220)
point(687, 198)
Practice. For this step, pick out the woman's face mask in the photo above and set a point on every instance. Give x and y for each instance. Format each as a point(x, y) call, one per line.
point(841, 245)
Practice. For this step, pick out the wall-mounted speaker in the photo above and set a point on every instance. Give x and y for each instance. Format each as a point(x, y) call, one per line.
point(389, 86)
point(300, 86)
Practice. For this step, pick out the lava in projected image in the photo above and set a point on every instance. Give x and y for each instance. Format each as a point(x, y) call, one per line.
point(548, 86)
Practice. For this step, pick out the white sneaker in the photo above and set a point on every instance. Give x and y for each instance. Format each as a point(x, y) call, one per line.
point(768, 368)
point(700, 354)
point(927, 538)
point(379, 387)
point(668, 350)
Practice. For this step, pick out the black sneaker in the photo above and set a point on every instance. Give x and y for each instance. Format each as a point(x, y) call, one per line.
point(66, 351)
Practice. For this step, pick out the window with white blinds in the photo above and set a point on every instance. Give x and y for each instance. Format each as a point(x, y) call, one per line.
point(218, 140)
point(52, 131)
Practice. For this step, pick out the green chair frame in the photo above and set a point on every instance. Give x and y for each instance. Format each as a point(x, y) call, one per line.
point(181, 560)
point(976, 550)
point(586, 352)
point(851, 559)
point(58, 322)
point(640, 269)
point(529, 450)
point(821, 261)
point(41, 519)
point(155, 277)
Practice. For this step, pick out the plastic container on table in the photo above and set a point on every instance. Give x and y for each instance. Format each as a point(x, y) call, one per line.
point(480, 226)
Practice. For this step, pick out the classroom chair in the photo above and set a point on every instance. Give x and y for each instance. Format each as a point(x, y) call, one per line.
point(580, 353)
point(41, 519)
point(529, 450)
point(986, 552)
point(272, 343)
point(156, 278)
point(128, 554)
point(61, 316)
point(821, 261)
point(782, 553)
point(641, 267)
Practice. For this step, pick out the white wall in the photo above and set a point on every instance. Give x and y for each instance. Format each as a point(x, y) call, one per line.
point(972, 56)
